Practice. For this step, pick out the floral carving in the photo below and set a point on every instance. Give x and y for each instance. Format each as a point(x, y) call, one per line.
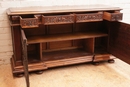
point(89, 17)
point(58, 19)
point(116, 17)
point(27, 23)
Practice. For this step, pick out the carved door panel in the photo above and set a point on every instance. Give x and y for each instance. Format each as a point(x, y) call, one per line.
point(24, 58)
point(119, 40)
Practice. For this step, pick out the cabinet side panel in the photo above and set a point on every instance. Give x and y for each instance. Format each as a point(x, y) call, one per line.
point(60, 44)
point(16, 35)
point(119, 40)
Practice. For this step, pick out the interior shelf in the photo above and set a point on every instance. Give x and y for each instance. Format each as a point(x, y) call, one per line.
point(65, 54)
point(62, 37)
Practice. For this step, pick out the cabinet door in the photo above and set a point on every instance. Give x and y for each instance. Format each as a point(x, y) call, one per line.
point(24, 58)
point(119, 40)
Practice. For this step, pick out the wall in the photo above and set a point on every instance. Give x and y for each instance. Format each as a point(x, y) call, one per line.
point(5, 33)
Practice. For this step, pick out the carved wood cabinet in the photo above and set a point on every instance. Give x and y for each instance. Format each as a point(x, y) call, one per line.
point(46, 37)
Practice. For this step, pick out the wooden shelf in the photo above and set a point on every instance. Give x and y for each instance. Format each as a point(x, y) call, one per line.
point(62, 37)
point(64, 54)
point(65, 57)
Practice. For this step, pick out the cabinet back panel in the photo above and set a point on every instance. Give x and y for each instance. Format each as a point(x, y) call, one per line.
point(78, 43)
point(88, 26)
point(101, 45)
point(35, 31)
point(64, 28)
point(60, 44)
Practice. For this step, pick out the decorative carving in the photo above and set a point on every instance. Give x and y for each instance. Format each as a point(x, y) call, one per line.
point(28, 22)
point(47, 20)
point(115, 17)
point(89, 17)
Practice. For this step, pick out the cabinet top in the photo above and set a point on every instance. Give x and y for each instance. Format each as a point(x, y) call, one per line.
point(59, 9)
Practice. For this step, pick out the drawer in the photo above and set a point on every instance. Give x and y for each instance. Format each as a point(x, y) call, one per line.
point(57, 19)
point(29, 22)
point(112, 16)
point(101, 57)
point(88, 17)
point(39, 18)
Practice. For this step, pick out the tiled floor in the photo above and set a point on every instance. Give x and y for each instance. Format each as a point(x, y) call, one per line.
point(82, 75)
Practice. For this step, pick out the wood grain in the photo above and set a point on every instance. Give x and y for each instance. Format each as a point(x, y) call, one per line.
point(61, 37)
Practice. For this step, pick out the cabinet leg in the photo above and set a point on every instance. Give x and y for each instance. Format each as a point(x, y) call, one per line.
point(111, 61)
point(95, 63)
point(19, 74)
point(39, 72)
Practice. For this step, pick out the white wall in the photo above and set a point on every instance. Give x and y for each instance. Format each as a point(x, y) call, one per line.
point(5, 34)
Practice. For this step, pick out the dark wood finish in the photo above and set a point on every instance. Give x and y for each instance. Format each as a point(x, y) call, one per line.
point(111, 61)
point(65, 35)
point(25, 58)
point(119, 44)
point(101, 57)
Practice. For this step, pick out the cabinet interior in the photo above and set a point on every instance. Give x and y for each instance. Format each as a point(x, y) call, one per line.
point(66, 41)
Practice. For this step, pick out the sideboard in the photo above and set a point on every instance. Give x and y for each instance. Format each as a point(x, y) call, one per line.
point(52, 36)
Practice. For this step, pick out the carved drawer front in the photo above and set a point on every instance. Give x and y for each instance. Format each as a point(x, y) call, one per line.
point(101, 57)
point(58, 19)
point(112, 16)
point(88, 17)
point(29, 22)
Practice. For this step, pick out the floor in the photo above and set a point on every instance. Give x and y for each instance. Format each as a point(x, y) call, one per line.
point(82, 75)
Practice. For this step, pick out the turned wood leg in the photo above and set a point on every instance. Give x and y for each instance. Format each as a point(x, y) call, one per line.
point(39, 72)
point(19, 74)
point(111, 61)
point(95, 63)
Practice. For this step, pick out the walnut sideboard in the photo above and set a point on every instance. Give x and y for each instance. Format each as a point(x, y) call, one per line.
point(46, 37)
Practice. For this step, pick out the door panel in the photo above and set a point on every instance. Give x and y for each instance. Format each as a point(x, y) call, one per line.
point(24, 58)
point(119, 40)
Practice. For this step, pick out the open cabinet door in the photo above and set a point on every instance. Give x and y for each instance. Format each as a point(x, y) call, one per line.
point(119, 40)
point(24, 56)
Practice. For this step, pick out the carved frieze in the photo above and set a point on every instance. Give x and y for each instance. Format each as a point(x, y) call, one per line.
point(61, 19)
point(89, 17)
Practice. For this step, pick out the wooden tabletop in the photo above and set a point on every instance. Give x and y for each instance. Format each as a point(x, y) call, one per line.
point(59, 9)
